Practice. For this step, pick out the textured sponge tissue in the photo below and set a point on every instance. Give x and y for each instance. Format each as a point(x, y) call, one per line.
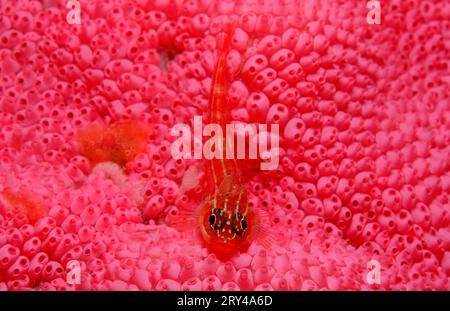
point(89, 191)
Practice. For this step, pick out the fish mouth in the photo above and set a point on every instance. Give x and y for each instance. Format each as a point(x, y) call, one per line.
point(226, 237)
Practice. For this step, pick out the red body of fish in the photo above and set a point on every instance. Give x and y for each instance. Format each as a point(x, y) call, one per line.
point(227, 224)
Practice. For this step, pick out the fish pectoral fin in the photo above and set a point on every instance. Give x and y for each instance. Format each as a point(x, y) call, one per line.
point(186, 218)
point(262, 233)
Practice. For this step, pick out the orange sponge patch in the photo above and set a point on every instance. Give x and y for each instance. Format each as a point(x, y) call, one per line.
point(118, 143)
point(31, 206)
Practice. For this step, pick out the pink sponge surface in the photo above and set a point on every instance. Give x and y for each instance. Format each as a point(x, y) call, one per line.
point(364, 143)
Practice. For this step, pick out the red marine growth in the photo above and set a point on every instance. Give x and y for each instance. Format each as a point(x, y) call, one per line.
point(28, 205)
point(118, 143)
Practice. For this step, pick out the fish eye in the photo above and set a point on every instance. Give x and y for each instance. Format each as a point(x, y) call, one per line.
point(244, 224)
point(212, 219)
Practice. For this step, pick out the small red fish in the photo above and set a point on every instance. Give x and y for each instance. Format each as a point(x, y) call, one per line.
point(227, 224)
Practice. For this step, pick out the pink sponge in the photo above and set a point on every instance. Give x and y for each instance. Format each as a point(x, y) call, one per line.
point(89, 191)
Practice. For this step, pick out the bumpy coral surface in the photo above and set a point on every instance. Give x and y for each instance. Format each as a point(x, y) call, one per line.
point(364, 143)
